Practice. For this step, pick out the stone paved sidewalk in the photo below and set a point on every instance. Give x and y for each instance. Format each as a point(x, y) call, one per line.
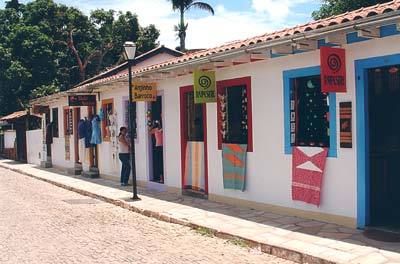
point(293, 238)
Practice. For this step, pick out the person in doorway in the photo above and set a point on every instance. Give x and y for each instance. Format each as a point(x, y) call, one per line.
point(124, 155)
point(157, 131)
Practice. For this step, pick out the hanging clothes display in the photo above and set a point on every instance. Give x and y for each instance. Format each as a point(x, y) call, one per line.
point(88, 134)
point(114, 139)
point(194, 166)
point(308, 166)
point(101, 114)
point(234, 166)
point(96, 132)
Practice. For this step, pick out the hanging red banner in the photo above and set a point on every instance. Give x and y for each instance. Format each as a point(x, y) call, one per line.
point(333, 70)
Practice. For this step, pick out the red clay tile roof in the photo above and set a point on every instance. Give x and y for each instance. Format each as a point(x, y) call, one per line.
point(122, 66)
point(361, 13)
point(318, 24)
point(17, 115)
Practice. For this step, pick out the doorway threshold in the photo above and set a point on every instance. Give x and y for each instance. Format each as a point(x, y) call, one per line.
point(383, 233)
point(195, 194)
point(157, 186)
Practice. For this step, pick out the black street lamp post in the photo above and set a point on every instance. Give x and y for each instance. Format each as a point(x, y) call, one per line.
point(130, 50)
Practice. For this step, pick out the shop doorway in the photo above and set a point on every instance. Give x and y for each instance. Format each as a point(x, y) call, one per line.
point(77, 118)
point(21, 139)
point(384, 146)
point(155, 142)
point(93, 152)
point(193, 145)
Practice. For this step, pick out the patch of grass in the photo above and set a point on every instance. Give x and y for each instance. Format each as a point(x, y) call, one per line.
point(239, 242)
point(204, 231)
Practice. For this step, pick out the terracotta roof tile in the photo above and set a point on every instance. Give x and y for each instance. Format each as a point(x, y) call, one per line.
point(313, 25)
point(17, 115)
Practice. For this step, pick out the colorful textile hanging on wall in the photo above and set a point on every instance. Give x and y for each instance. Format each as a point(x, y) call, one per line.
point(67, 148)
point(308, 166)
point(194, 166)
point(234, 165)
point(113, 130)
point(345, 125)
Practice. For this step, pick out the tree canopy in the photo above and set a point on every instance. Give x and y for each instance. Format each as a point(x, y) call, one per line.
point(335, 7)
point(47, 47)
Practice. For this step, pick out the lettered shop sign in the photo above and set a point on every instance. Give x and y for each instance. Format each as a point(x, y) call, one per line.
point(333, 70)
point(204, 87)
point(145, 92)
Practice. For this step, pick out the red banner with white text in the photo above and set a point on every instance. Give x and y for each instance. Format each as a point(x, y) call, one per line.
point(333, 70)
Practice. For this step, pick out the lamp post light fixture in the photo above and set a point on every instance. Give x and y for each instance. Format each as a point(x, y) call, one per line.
point(129, 53)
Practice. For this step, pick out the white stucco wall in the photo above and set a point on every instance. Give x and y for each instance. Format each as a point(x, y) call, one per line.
point(269, 170)
point(58, 146)
point(9, 138)
point(34, 146)
point(107, 164)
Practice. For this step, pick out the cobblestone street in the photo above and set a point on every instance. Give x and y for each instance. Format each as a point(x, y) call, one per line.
point(41, 223)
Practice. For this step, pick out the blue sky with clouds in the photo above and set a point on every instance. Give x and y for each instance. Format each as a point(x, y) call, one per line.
point(233, 20)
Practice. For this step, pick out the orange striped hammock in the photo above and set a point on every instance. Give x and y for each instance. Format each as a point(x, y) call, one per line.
point(234, 165)
point(194, 166)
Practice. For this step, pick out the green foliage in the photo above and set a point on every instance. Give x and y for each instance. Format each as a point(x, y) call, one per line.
point(148, 38)
point(239, 242)
point(335, 7)
point(204, 231)
point(44, 90)
point(182, 6)
point(46, 47)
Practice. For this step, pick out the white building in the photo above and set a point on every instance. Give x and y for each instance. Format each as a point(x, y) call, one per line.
point(360, 182)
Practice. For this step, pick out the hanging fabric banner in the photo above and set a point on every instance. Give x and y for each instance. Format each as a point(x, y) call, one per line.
point(333, 70)
point(194, 176)
point(144, 92)
point(67, 148)
point(308, 167)
point(234, 166)
point(204, 87)
point(345, 125)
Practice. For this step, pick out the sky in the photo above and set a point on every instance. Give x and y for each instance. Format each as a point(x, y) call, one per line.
point(233, 20)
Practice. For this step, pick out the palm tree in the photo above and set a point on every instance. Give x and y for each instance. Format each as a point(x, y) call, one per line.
point(183, 6)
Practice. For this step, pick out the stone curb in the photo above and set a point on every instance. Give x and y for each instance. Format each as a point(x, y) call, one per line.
point(276, 250)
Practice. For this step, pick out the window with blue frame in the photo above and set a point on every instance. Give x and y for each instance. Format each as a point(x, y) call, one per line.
point(309, 111)
point(309, 114)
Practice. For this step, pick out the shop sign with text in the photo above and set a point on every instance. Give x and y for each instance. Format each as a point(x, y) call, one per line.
point(204, 87)
point(333, 70)
point(144, 92)
point(82, 100)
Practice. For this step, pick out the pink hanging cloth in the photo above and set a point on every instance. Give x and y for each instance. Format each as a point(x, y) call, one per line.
point(308, 167)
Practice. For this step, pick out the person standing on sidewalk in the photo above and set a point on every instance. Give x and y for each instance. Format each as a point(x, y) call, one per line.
point(124, 156)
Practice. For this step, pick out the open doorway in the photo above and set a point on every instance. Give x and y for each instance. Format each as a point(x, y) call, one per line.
point(193, 145)
point(156, 150)
point(384, 146)
point(77, 120)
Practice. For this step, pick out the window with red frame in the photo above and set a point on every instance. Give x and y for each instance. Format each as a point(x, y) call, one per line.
point(234, 112)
